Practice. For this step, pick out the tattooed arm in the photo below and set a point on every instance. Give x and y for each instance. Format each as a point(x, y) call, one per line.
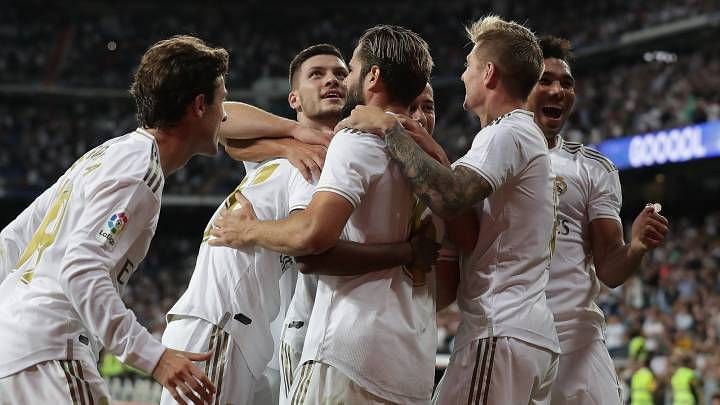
point(448, 192)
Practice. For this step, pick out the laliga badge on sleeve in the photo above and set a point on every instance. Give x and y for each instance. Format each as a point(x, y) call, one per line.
point(111, 230)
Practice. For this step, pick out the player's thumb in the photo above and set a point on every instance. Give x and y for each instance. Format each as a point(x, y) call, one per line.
point(240, 198)
point(197, 356)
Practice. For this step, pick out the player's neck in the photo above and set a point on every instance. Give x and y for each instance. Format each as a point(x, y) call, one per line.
point(497, 106)
point(381, 100)
point(551, 140)
point(397, 109)
point(317, 123)
point(173, 149)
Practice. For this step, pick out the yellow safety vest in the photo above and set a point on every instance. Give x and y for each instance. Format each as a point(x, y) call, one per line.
point(642, 386)
point(682, 387)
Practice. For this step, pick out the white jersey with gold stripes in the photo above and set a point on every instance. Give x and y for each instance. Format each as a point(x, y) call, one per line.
point(377, 329)
point(502, 283)
point(237, 289)
point(73, 251)
point(589, 188)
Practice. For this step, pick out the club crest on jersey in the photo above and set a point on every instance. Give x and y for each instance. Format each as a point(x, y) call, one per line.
point(560, 185)
point(111, 230)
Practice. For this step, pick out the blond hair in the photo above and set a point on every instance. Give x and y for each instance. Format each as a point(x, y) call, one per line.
point(512, 48)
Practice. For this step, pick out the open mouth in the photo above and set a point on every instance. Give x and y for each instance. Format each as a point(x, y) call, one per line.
point(332, 95)
point(552, 112)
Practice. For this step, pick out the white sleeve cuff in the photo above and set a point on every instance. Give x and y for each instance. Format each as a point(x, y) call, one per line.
point(144, 352)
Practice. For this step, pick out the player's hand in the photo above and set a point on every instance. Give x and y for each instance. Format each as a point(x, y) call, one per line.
point(308, 159)
point(312, 136)
point(424, 251)
point(648, 230)
point(176, 372)
point(420, 135)
point(234, 228)
point(424, 247)
point(368, 119)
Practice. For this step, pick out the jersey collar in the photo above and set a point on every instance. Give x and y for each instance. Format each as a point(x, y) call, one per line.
point(559, 141)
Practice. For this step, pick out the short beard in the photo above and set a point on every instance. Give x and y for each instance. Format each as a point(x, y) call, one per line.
point(354, 99)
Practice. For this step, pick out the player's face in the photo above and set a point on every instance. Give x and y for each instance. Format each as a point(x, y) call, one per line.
point(320, 87)
point(354, 83)
point(423, 109)
point(214, 115)
point(553, 97)
point(473, 79)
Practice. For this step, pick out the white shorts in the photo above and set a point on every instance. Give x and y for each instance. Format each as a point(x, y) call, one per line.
point(498, 370)
point(322, 384)
point(586, 376)
point(227, 368)
point(55, 382)
point(289, 361)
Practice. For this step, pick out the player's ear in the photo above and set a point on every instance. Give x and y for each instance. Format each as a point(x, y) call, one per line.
point(373, 78)
point(294, 101)
point(491, 75)
point(198, 106)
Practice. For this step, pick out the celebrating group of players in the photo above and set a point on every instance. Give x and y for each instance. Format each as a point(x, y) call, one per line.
point(318, 278)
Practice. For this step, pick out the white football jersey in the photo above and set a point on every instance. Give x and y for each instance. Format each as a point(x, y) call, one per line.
point(376, 328)
point(589, 188)
point(287, 282)
point(502, 283)
point(238, 289)
point(75, 249)
point(298, 314)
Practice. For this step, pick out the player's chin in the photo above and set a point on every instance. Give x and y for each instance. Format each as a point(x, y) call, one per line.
point(551, 125)
point(332, 110)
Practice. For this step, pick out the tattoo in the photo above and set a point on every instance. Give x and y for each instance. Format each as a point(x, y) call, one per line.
point(447, 192)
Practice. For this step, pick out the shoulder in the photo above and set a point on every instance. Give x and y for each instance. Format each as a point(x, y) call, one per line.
point(350, 147)
point(351, 136)
point(269, 170)
point(133, 157)
point(589, 157)
point(521, 126)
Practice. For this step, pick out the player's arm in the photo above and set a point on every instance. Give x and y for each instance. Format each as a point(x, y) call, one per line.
point(307, 158)
point(351, 258)
point(448, 192)
point(249, 122)
point(86, 280)
point(447, 276)
point(463, 231)
point(311, 231)
point(352, 164)
point(614, 260)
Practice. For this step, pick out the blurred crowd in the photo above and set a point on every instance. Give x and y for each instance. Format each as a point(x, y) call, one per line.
point(95, 47)
point(70, 45)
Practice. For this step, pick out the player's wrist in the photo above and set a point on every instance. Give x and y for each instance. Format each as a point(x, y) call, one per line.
point(637, 249)
point(295, 131)
point(253, 233)
point(388, 123)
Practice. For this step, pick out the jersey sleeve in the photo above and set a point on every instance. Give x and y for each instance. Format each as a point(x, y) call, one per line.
point(15, 237)
point(353, 161)
point(605, 197)
point(116, 212)
point(495, 155)
point(300, 191)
